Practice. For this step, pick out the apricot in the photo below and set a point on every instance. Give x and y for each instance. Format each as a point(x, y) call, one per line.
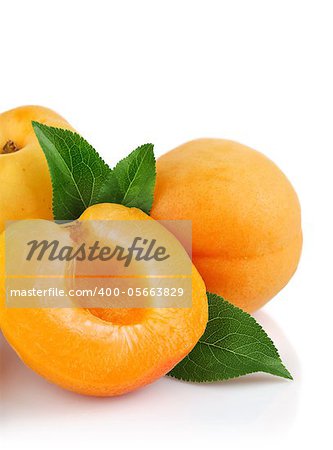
point(246, 219)
point(100, 351)
point(26, 190)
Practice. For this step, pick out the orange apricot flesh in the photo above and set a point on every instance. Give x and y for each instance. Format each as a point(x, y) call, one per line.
point(99, 351)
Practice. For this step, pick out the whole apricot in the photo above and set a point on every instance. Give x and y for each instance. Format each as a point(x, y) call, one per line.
point(94, 350)
point(246, 219)
point(26, 190)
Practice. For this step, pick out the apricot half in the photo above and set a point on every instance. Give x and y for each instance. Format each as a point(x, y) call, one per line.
point(245, 214)
point(99, 351)
point(26, 190)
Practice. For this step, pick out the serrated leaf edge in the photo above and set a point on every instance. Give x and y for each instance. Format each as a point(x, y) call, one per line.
point(151, 196)
point(217, 380)
point(40, 126)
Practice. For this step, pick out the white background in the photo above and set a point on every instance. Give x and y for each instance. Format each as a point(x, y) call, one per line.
point(127, 72)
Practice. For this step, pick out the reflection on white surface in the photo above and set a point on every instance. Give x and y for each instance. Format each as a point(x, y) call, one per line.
point(246, 405)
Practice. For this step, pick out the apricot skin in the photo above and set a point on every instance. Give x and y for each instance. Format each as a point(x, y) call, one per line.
point(26, 190)
point(246, 219)
point(104, 352)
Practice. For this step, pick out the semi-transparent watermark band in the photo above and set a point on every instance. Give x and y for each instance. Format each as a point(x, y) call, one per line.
point(98, 264)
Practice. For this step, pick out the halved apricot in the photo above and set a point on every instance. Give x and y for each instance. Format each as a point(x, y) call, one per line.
point(103, 351)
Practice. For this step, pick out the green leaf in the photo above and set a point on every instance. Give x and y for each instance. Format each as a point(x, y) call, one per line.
point(78, 173)
point(136, 176)
point(233, 344)
point(80, 178)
